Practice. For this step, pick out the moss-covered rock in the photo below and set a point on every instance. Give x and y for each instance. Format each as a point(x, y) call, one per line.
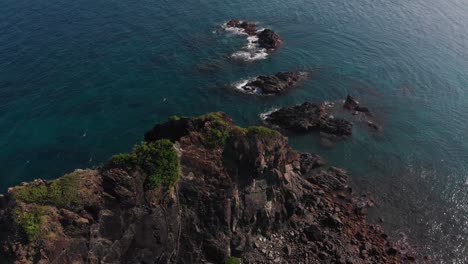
point(262, 131)
point(158, 160)
point(30, 222)
point(63, 192)
point(233, 260)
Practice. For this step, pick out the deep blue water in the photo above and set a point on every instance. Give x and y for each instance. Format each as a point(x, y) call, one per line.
point(81, 80)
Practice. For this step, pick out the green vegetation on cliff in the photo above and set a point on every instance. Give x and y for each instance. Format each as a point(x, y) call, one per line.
point(262, 131)
point(233, 260)
point(218, 131)
point(63, 192)
point(30, 221)
point(158, 160)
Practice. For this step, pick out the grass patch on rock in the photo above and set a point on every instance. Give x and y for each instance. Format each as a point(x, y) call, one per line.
point(218, 130)
point(262, 131)
point(233, 260)
point(157, 160)
point(30, 222)
point(62, 192)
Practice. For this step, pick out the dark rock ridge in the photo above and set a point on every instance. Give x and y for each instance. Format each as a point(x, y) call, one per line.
point(274, 84)
point(267, 38)
point(309, 117)
point(243, 194)
point(352, 104)
point(328, 118)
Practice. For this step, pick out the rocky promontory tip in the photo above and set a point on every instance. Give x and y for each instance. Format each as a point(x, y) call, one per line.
point(276, 84)
point(198, 190)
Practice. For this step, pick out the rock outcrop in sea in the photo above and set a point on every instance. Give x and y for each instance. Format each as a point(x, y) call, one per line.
point(328, 118)
point(198, 190)
point(309, 117)
point(276, 84)
point(260, 41)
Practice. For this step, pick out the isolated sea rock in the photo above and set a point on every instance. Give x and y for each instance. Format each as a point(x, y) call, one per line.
point(309, 117)
point(243, 194)
point(268, 39)
point(248, 27)
point(352, 104)
point(261, 42)
point(276, 84)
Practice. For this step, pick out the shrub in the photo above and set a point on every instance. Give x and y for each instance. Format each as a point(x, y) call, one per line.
point(174, 118)
point(233, 260)
point(62, 192)
point(159, 161)
point(30, 222)
point(124, 160)
point(217, 117)
point(218, 131)
point(262, 132)
point(216, 137)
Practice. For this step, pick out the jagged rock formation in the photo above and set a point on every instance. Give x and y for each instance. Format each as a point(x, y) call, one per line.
point(267, 38)
point(243, 195)
point(276, 84)
point(309, 117)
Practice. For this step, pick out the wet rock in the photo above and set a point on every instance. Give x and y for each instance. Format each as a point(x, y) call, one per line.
point(373, 125)
point(350, 103)
point(268, 39)
point(274, 84)
point(309, 117)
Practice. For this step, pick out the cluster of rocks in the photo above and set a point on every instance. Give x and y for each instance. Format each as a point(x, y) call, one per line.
point(253, 198)
point(320, 117)
point(267, 38)
point(276, 84)
point(309, 117)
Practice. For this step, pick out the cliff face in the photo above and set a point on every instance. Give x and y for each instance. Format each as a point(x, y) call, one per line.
point(243, 195)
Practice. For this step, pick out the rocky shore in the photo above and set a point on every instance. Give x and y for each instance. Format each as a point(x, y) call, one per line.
point(198, 190)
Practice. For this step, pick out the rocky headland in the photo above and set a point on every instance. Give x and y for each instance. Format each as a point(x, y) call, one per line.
point(197, 190)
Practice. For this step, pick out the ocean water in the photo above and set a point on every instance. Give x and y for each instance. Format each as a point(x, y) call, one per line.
point(81, 80)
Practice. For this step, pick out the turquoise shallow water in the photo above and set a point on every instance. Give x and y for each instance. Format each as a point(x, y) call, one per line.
point(81, 80)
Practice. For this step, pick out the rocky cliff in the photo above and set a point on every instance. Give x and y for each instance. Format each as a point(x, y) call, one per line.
point(198, 190)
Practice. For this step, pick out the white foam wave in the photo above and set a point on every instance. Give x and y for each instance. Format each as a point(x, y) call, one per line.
point(242, 86)
point(265, 115)
point(235, 30)
point(250, 55)
point(250, 52)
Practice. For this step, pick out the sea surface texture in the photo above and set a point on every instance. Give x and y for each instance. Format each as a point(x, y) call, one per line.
point(81, 80)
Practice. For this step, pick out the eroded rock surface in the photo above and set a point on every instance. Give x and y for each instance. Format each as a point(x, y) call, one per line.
point(309, 117)
point(267, 38)
point(276, 84)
